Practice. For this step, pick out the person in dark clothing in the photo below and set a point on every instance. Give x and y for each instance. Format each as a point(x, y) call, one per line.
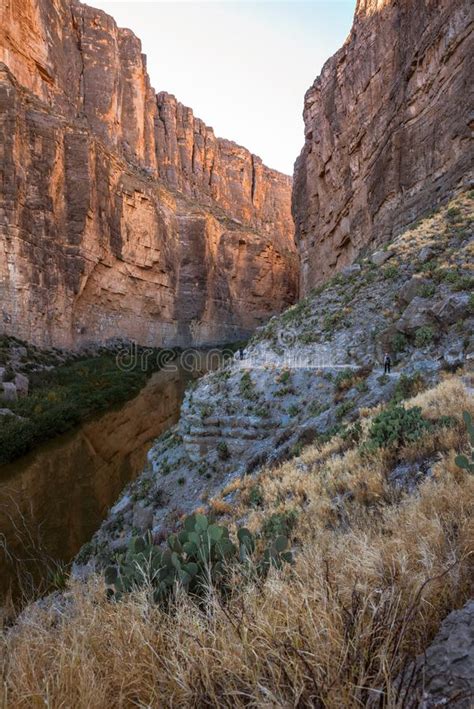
point(241, 352)
point(387, 362)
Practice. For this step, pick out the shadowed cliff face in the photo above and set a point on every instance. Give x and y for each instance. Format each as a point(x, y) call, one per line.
point(122, 215)
point(387, 130)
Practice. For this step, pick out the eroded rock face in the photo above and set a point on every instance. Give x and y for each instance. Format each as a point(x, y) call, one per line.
point(121, 214)
point(387, 130)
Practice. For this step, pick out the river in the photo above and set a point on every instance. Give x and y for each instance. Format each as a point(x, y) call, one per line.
point(55, 498)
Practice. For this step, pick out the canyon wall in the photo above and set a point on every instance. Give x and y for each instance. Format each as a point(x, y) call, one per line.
point(121, 214)
point(387, 130)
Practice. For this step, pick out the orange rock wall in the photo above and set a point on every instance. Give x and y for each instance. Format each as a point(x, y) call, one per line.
point(122, 215)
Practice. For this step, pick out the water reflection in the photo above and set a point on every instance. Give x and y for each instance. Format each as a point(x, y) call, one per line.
point(54, 499)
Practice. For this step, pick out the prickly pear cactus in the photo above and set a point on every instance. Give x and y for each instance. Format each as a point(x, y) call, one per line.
point(200, 554)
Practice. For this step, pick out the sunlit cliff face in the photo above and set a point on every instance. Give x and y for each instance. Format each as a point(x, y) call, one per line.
point(370, 7)
point(125, 216)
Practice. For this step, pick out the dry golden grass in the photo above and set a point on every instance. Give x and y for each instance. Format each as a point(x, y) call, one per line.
point(431, 231)
point(375, 573)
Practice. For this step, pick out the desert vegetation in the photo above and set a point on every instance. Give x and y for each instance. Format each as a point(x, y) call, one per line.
point(377, 565)
point(62, 395)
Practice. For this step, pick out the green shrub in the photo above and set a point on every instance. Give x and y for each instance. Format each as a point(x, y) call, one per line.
point(464, 283)
point(200, 554)
point(343, 409)
point(9, 374)
point(296, 313)
point(457, 280)
point(407, 386)
point(427, 290)
point(206, 410)
point(246, 386)
point(256, 497)
point(446, 422)
point(362, 386)
point(399, 342)
point(284, 377)
point(279, 523)
point(343, 379)
point(165, 467)
point(285, 391)
point(424, 336)
point(308, 337)
point(315, 408)
point(332, 321)
point(429, 266)
point(454, 214)
point(397, 426)
point(223, 450)
point(390, 271)
point(352, 433)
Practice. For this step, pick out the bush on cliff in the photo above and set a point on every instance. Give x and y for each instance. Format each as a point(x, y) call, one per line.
point(397, 426)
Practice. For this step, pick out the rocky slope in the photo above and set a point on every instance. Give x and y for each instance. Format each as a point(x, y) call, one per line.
point(121, 214)
point(387, 130)
point(304, 437)
point(308, 375)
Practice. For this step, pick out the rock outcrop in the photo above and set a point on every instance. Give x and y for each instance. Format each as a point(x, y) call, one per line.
point(444, 674)
point(387, 130)
point(121, 214)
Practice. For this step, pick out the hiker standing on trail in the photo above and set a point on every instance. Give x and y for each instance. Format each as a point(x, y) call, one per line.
point(387, 362)
point(241, 352)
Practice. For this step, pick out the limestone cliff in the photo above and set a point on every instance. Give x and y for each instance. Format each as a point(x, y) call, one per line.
point(121, 214)
point(387, 130)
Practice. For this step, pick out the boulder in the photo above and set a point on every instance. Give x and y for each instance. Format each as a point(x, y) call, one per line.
point(412, 288)
point(407, 476)
point(142, 517)
point(22, 384)
point(351, 270)
point(443, 675)
point(418, 314)
point(453, 355)
point(426, 254)
point(6, 412)
point(452, 308)
point(122, 506)
point(9, 391)
point(379, 257)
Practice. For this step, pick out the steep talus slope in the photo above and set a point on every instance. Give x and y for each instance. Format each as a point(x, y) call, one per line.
point(122, 215)
point(387, 130)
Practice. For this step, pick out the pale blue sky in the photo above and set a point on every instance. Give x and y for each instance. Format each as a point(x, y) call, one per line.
point(242, 66)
